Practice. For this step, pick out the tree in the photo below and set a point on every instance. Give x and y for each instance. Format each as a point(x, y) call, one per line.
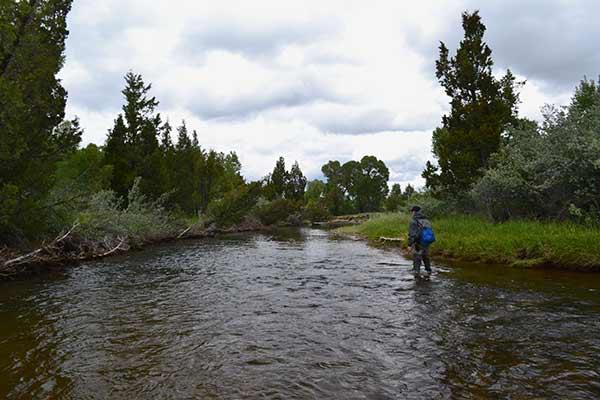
point(117, 155)
point(355, 186)
point(395, 199)
point(198, 176)
point(408, 191)
point(184, 177)
point(78, 177)
point(335, 189)
point(315, 191)
point(133, 145)
point(32, 103)
point(295, 183)
point(482, 107)
point(278, 178)
point(370, 185)
point(84, 170)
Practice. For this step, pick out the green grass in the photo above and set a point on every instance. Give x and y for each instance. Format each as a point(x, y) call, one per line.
point(516, 243)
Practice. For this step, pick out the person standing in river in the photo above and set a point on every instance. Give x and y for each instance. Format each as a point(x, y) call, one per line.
point(420, 248)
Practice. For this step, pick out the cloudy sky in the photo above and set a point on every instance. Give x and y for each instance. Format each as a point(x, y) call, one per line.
point(314, 80)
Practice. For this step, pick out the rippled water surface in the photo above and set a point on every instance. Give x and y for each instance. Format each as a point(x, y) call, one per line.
point(296, 315)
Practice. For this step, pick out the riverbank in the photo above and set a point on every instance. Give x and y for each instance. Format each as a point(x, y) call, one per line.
point(521, 244)
point(73, 246)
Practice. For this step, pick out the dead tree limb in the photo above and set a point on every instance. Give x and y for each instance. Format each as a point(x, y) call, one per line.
point(25, 257)
point(184, 232)
point(113, 250)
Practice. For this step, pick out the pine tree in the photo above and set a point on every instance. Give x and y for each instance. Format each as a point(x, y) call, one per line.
point(481, 109)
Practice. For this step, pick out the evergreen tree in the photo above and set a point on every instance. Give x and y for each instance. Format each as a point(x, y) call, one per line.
point(183, 139)
point(117, 155)
point(184, 184)
point(32, 103)
point(395, 199)
point(210, 179)
point(133, 141)
point(232, 168)
point(166, 143)
point(295, 184)
point(481, 109)
point(408, 191)
point(279, 177)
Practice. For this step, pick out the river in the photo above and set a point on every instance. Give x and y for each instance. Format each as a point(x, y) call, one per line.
point(298, 314)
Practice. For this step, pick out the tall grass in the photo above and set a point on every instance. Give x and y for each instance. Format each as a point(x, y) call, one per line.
point(517, 243)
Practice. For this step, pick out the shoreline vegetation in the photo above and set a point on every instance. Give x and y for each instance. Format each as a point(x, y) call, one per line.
point(519, 244)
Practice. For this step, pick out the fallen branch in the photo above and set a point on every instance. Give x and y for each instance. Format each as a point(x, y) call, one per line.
point(113, 250)
point(390, 239)
point(184, 232)
point(19, 260)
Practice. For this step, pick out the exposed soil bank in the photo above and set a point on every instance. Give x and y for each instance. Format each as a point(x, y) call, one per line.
point(519, 244)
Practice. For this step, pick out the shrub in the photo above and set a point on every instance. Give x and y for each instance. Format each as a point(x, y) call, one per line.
point(316, 211)
point(549, 171)
point(276, 211)
point(434, 207)
point(141, 221)
point(234, 206)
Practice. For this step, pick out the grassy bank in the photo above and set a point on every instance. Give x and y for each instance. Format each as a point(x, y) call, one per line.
point(515, 243)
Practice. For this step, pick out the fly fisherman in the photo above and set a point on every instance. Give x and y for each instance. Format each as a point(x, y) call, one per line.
point(420, 236)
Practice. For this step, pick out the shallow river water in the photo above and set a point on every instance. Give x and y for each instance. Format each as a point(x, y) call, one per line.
point(296, 315)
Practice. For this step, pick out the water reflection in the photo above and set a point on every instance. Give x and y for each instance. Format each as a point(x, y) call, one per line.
point(296, 315)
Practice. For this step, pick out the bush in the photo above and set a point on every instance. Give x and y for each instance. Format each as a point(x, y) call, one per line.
point(277, 211)
point(141, 221)
point(434, 207)
point(234, 206)
point(551, 171)
point(316, 211)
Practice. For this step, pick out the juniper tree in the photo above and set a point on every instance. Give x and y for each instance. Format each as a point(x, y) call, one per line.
point(481, 109)
point(32, 103)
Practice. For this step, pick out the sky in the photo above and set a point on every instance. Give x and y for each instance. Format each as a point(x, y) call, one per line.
point(314, 81)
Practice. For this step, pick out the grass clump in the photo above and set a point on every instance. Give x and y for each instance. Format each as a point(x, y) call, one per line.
point(523, 244)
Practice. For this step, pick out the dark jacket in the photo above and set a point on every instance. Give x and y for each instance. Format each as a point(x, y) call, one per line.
point(418, 222)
